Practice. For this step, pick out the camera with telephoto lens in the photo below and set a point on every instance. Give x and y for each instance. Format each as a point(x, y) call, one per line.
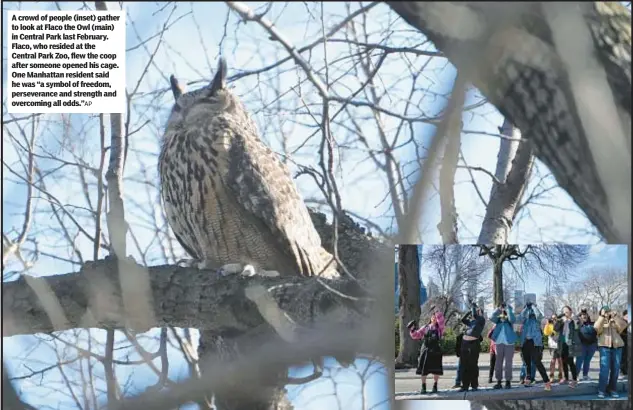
point(529, 304)
point(560, 315)
point(411, 325)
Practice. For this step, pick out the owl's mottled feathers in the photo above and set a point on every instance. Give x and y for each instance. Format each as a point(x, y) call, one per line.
point(227, 196)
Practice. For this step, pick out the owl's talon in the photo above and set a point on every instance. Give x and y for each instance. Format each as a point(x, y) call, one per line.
point(247, 270)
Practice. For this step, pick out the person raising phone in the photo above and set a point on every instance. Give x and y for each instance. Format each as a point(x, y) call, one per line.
point(504, 337)
point(471, 346)
point(532, 344)
point(430, 359)
point(609, 326)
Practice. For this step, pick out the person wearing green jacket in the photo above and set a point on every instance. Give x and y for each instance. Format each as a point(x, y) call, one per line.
point(568, 343)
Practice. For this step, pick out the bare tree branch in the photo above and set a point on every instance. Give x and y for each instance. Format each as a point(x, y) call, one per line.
point(521, 59)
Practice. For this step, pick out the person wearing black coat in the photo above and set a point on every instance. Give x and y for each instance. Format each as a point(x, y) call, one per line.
point(470, 348)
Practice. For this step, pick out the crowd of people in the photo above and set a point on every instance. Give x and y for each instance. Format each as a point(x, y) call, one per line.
point(572, 341)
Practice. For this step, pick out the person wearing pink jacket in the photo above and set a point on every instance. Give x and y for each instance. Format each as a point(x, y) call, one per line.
point(430, 359)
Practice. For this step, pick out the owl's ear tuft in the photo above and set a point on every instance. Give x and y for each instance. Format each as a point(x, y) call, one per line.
point(219, 81)
point(176, 89)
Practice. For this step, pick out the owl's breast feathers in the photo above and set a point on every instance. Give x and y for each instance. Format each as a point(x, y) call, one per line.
point(222, 168)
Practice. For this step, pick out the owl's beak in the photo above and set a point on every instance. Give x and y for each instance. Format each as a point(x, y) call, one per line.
point(175, 87)
point(219, 81)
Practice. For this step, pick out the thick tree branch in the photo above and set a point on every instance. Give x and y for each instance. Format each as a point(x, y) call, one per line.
point(514, 167)
point(180, 297)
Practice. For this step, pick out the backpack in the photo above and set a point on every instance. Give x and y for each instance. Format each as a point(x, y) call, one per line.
point(588, 334)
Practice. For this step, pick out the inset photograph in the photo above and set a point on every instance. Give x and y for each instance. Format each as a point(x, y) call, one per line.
point(511, 322)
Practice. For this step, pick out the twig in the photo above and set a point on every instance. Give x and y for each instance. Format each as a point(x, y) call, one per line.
point(249, 15)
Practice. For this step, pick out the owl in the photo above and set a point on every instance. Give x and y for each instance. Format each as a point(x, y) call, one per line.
point(230, 201)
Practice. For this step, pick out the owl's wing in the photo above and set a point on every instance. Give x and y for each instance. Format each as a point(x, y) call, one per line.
point(263, 187)
point(176, 218)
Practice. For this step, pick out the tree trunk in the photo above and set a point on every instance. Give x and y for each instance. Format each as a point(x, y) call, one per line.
point(514, 166)
point(497, 278)
point(408, 303)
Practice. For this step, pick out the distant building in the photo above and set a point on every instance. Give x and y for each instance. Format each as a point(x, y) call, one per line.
point(530, 297)
point(423, 294)
point(433, 290)
point(519, 299)
point(482, 303)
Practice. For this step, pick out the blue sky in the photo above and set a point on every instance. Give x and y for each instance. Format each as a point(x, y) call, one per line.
point(190, 52)
point(599, 256)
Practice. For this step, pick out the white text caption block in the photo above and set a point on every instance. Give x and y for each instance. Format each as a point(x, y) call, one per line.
point(66, 62)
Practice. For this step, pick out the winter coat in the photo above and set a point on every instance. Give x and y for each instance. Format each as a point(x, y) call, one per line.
point(531, 326)
point(573, 340)
point(419, 333)
point(588, 334)
point(609, 332)
point(504, 325)
point(552, 336)
point(474, 324)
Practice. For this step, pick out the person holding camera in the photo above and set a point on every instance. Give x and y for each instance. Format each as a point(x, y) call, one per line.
point(609, 326)
point(568, 343)
point(430, 359)
point(504, 338)
point(532, 343)
point(471, 346)
point(588, 343)
point(552, 344)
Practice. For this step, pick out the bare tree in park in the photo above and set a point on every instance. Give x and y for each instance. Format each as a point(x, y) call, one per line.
point(555, 261)
point(457, 269)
